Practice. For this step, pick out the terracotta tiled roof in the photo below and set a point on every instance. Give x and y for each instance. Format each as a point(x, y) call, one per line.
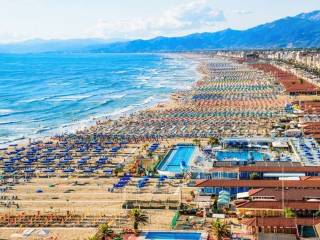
point(224, 169)
point(309, 106)
point(253, 192)
point(291, 194)
point(290, 82)
point(277, 205)
point(279, 222)
point(250, 168)
point(259, 183)
point(302, 169)
point(310, 178)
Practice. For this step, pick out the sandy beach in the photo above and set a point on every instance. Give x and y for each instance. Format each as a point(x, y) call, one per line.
point(66, 182)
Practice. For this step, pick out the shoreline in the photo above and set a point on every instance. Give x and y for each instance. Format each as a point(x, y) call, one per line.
point(71, 176)
point(83, 125)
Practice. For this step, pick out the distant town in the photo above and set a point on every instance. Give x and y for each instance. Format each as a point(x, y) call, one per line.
point(303, 63)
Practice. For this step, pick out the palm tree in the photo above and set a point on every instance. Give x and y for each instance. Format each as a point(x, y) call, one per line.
point(220, 229)
point(92, 238)
point(213, 141)
point(104, 232)
point(193, 195)
point(197, 142)
point(254, 176)
point(144, 147)
point(289, 213)
point(138, 218)
point(150, 154)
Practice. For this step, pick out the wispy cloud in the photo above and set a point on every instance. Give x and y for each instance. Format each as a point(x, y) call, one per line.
point(197, 15)
point(243, 12)
point(7, 36)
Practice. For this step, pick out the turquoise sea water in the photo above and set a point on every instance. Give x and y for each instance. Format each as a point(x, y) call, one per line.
point(44, 94)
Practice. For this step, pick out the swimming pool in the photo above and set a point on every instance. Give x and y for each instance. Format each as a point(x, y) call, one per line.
point(307, 231)
point(177, 160)
point(173, 236)
point(241, 155)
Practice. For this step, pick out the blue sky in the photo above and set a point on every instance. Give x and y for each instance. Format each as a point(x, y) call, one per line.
point(63, 19)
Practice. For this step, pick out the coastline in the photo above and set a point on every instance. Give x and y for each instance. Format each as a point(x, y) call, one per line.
point(92, 122)
point(116, 161)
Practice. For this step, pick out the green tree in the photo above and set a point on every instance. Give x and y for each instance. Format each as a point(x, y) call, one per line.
point(150, 154)
point(254, 176)
point(289, 213)
point(220, 229)
point(193, 195)
point(138, 217)
point(197, 142)
point(92, 238)
point(213, 141)
point(215, 204)
point(104, 232)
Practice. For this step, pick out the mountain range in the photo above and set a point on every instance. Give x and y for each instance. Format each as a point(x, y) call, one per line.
point(55, 45)
point(301, 31)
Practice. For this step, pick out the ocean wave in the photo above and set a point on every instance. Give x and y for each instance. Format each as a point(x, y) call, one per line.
point(143, 79)
point(6, 112)
point(102, 104)
point(118, 96)
point(120, 71)
point(112, 89)
point(10, 123)
point(121, 111)
point(72, 97)
point(148, 100)
point(61, 97)
point(43, 129)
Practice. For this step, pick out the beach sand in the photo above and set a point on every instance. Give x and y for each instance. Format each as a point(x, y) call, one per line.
point(89, 198)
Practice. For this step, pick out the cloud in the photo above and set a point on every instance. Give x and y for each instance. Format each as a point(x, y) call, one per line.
point(243, 12)
point(7, 36)
point(195, 16)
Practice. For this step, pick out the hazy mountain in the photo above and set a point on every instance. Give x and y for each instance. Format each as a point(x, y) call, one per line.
point(40, 45)
point(302, 31)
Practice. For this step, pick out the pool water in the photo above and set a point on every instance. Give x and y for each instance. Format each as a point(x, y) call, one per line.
point(177, 159)
point(240, 155)
point(307, 231)
point(173, 236)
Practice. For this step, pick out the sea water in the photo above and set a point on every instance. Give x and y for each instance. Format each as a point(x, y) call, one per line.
point(45, 94)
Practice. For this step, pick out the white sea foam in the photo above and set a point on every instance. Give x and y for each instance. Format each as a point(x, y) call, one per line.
point(5, 111)
point(107, 96)
point(121, 111)
point(117, 96)
point(148, 100)
point(71, 97)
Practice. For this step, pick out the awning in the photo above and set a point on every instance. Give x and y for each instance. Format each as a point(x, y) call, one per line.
point(243, 195)
point(280, 174)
